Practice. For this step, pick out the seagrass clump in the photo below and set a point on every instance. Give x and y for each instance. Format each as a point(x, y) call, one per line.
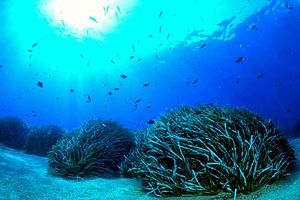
point(96, 149)
point(209, 149)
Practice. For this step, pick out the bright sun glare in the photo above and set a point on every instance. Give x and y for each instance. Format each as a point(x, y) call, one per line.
point(87, 18)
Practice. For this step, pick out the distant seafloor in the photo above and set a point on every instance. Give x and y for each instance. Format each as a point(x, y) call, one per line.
point(25, 177)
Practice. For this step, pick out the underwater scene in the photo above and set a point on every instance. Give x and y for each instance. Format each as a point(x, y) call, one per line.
point(160, 99)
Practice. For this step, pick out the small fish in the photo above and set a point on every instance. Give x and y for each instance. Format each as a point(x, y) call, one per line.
point(150, 36)
point(139, 60)
point(117, 17)
point(260, 75)
point(63, 23)
point(118, 8)
point(30, 56)
point(112, 61)
point(289, 110)
point(110, 93)
point(160, 14)
point(104, 125)
point(253, 27)
point(131, 57)
point(105, 9)
point(288, 7)
point(1, 66)
point(240, 59)
point(34, 45)
point(146, 84)
point(123, 76)
point(40, 84)
point(202, 46)
point(133, 48)
point(238, 79)
point(151, 121)
point(160, 28)
point(138, 100)
point(81, 55)
point(89, 100)
point(168, 36)
point(93, 19)
point(195, 81)
point(56, 97)
point(71, 90)
point(29, 50)
point(149, 105)
point(116, 89)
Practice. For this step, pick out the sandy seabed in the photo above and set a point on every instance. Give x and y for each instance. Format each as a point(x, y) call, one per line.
point(25, 177)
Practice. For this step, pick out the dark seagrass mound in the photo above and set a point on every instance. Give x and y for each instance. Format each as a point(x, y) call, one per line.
point(13, 132)
point(96, 149)
point(209, 149)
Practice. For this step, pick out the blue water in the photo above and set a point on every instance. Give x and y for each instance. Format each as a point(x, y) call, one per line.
point(165, 40)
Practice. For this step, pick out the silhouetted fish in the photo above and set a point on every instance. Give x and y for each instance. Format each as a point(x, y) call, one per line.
point(118, 8)
point(160, 14)
point(40, 84)
point(93, 19)
point(146, 84)
point(287, 6)
point(149, 105)
point(112, 61)
point(150, 36)
point(253, 27)
point(195, 81)
point(117, 17)
point(35, 44)
point(71, 90)
point(117, 89)
point(110, 93)
point(289, 110)
point(29, 50)
point(150, 121)
point(240, 59)
point(138, 100)
point(131, 57)
point(133, 48)
point(202, 46)
point(105, 9)
point(123, 76)
point(260, 75)
point(1, 66)
point(89, 100)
